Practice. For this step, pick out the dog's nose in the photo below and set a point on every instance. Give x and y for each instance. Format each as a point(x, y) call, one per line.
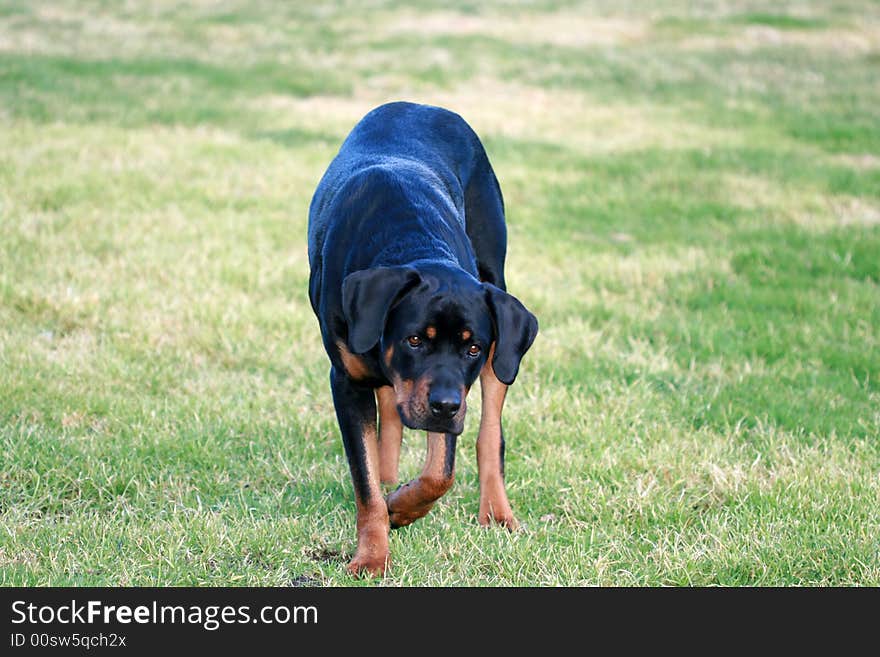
point(444, 403)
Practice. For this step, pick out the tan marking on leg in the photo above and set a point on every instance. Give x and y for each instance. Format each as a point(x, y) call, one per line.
point(390, 435)
point(372, 555)
point(413, 500)
point(431, 332)
point(355, 366)
point(494, 505)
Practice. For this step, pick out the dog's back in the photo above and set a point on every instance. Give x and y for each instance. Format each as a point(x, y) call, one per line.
point(401, 177)
point(400, 136)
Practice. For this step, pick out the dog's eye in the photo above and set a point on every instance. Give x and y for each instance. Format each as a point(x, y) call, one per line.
point(474, 350)
point(414, 341)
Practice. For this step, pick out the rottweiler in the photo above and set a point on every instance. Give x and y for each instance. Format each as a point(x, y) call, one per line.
point(407, 242)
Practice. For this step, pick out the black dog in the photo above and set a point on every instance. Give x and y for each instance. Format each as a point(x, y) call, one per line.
point(406, 245)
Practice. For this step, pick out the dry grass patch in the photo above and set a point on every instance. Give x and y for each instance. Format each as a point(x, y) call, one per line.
point(851, 42)
point(570, 29)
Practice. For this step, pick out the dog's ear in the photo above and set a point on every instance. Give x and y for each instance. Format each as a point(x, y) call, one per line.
point(367, 296)
point(515, 330)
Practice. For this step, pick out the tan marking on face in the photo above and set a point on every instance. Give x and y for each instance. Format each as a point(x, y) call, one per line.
point(402, 390)
point(431, 332)
point(463, 391)
point(389, 353)
point(355, 365)
point(418, 400)
point(466, 335)
point(412, 396)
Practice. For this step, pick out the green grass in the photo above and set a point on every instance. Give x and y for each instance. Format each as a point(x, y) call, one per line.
point(694, 213)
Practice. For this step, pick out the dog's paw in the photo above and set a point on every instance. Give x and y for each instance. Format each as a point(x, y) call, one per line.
point(406, 505)
point(489, 515)
point(403, 518)
point(406, 516)
point(510, 522)
point(371, 565)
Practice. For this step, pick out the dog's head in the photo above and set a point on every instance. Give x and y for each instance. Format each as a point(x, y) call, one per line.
point(435, 328)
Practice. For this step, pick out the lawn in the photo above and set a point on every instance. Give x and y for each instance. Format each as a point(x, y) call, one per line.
point(693, 199)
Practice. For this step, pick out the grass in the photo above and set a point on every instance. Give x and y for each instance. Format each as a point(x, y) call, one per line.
point(694, 213)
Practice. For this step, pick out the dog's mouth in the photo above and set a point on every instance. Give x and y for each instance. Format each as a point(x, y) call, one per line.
point(425, 421)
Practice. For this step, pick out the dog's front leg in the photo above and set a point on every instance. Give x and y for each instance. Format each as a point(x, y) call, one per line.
point(390, 435)
point(494, 505)
point(414, 499)
point(356, 412)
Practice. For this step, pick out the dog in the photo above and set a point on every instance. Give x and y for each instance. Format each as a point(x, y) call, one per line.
point(407, 242)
